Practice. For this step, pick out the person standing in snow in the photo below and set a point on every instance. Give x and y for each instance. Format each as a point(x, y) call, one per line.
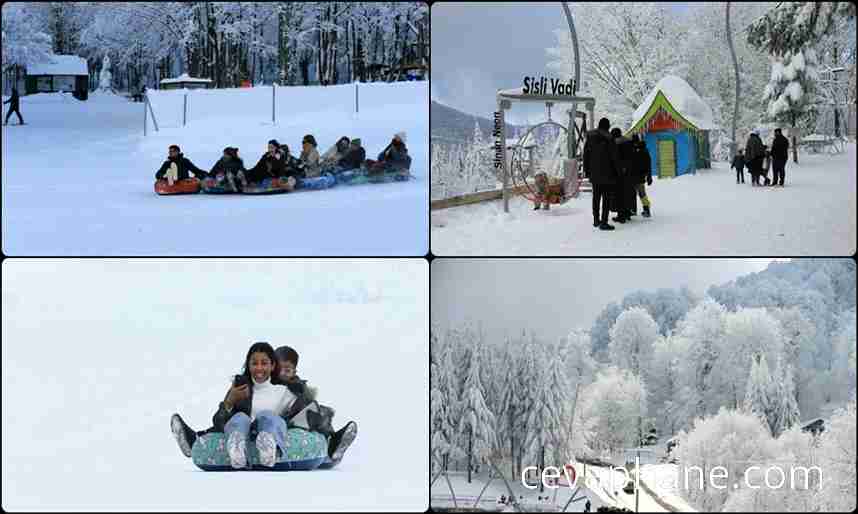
point(739, 164)
point(587, 505)
point(177, 167)
point(627, 177)
point(14, 102)
point(643, 164)
point(600, 165)
point(780, 154)
point(754, 155)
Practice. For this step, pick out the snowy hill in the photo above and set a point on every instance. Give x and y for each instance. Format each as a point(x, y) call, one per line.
point(78, 177)
point(452, 125)
point(124, 344)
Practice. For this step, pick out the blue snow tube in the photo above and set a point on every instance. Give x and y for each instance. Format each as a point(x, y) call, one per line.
point(305, 451)
point(324, 181)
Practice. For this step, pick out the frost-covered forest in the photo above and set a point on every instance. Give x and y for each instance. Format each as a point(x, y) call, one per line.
point(290, 43)
point(734, 375)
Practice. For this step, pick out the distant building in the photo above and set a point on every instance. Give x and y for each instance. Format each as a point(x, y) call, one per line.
point(184, 81)
point(68, 73)
point(814, 426)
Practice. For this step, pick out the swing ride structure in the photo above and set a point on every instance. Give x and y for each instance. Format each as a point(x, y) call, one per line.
point(554, 177)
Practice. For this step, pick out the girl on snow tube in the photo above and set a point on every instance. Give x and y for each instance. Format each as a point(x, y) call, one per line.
point(255, 405)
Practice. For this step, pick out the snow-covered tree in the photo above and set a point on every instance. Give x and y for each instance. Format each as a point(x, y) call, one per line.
point(546, 418)
point(785, 408)
point(758, 400)
point(600, 332)
point(663, 384)
point(844, 349)
point(631, 340)
point(791, 88)
point(748, 333)
point(790, 26)
point(732, 439)
point(477, 423)
point(609, 409)
point(24, 39)
point(444, 400)
point(703, 330)
point(837, 456)
point(579, 364)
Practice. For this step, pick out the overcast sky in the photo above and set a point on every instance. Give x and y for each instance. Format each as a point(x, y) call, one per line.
point(480, 47)
point(551, 297)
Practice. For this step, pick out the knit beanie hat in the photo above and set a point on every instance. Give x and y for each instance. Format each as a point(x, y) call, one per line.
point(401, 136)
point(356, 141)
point(286, 353)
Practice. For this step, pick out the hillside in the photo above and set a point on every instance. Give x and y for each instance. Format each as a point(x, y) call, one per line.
point(451, 125)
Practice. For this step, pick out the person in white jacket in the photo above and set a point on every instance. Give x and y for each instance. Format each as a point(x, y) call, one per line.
point(253, 398)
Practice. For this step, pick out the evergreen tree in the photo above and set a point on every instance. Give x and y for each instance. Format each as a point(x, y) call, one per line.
point(757, 394)
point(785, 407)
point(791, 26)
point(477, 422)
point(791, 88)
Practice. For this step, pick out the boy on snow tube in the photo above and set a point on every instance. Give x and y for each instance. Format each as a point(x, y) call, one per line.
point(300, 436)
point(173, 176)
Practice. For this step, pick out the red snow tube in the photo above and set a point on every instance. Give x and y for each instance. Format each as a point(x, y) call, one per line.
point(181, 187)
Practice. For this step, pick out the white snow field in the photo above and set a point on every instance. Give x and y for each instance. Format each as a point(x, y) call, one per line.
point(702, 214)
point(78, 177)
point(97, 354)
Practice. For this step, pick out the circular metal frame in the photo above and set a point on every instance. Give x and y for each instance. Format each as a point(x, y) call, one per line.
point(518, 173)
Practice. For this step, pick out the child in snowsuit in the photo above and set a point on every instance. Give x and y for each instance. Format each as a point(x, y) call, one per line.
point(739, 164)
point(177, 167)
point(394, 157)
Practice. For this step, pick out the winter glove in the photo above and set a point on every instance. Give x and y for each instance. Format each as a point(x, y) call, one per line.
point(649, 180)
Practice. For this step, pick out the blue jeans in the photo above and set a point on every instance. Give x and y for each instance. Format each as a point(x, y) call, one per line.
point(266, 421)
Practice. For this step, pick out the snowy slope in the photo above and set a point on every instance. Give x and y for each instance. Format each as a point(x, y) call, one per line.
point(98, 354)
point(704, 214)
point(77, 179)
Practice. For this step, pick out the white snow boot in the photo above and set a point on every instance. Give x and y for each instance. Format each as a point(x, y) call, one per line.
point(341, 441)
point(236, 446)
point(267, 447)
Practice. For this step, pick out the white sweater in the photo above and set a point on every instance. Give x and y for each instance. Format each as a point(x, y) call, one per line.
point(268, 396)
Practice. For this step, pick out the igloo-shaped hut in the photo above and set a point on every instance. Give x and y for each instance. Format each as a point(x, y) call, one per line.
point(674, 122)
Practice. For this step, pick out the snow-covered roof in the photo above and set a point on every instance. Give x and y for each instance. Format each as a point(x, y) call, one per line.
point(59, 65)
point(683, 98)
point(184, 77)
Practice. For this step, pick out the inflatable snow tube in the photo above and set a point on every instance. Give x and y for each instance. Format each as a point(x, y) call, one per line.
point(363, 176)
point(324, 181)
point(305, 451)
point(269, 186)
point(216, 186)
point(187, 186)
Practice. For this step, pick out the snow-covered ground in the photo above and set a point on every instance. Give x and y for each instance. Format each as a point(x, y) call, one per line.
point(466, 494)
point(611, 484)
point(703, 214)
point(97, 354)
point(78, 177)
point(663, 480)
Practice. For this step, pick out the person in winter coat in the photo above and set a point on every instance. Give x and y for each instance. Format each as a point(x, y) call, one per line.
point(177, 167)
point(780, 154)
point(272, 164)
point(226, 169)
point(354, 157)
point(287, 359)
point(600, 165)
point(14, 102)
point(754, 155)
point(627, 177)
point(309, 157)
point(739, 164)
point(394, 157)
point(643, 165)
point(329, 160)
point(767, 161)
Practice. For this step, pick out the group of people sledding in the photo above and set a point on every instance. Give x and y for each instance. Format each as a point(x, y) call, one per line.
point(262, 403)
point(757, 157)
point(344, 160)
point(619, 168)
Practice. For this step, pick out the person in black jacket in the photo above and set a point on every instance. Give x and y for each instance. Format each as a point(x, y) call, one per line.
point(627, 177)
point(272, 164)
point(354, 158)
point(643, 166)
point(177, 167)
point(754, 154)
point(780, 154)
point(225, 170)
point(600, 165)
point(739, 164)
point(14, 102)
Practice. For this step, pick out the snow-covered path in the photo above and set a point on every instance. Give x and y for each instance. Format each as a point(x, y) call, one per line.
point(706, 214)
point(77, 179)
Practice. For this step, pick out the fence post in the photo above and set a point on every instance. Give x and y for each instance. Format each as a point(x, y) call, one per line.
point(154, 120)
point(357, 104)
point(145, 114)
point(273, 102)
point(185, 110)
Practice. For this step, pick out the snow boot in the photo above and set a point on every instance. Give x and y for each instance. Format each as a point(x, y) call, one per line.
point(237, 448)
point(267, 449)
point(185, 437)
point(646, 213)
point(536, 207)
point(341, 440)
point(620, 219)
point(546, 206)
point(596, 221)
point(605, 226)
